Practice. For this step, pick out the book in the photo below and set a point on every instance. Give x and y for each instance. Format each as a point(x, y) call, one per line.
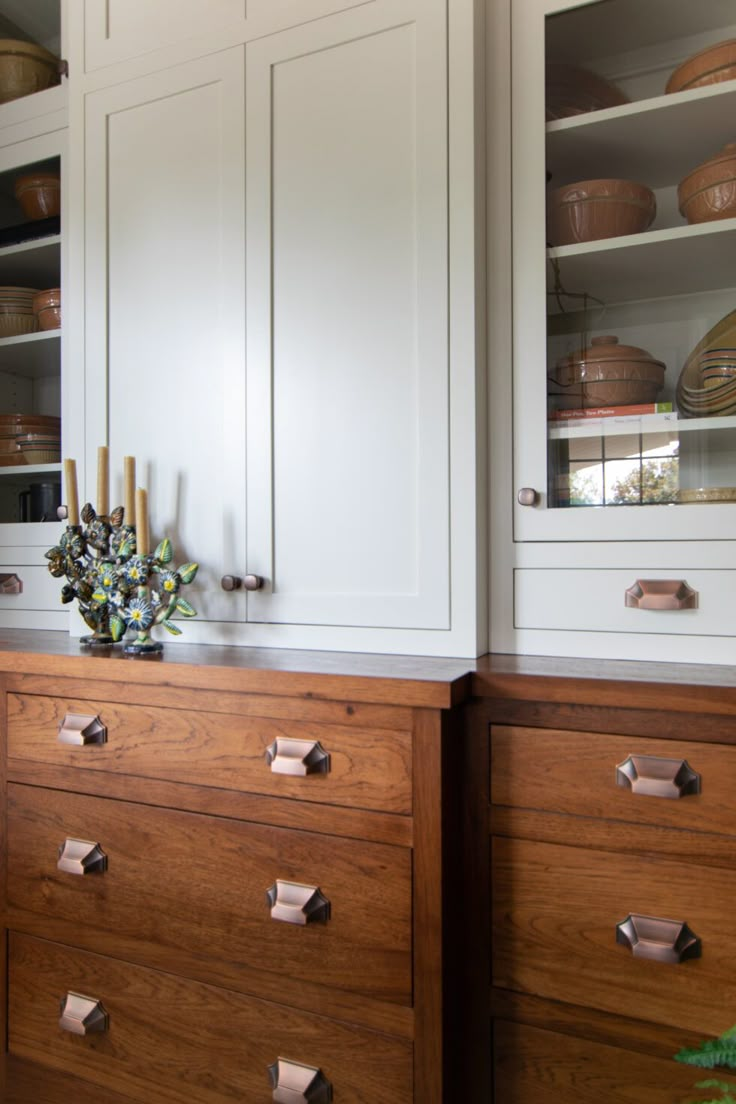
point(634, 411)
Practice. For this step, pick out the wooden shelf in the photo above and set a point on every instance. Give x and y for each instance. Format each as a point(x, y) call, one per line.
point(656, 142)
point(654, 265)
point(32, 264)
point(19, 472)
point(31, 355)
point(657, 423)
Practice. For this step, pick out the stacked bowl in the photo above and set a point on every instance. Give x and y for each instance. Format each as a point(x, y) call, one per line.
point(16, 311)
point(29, 439)
point(707, 383)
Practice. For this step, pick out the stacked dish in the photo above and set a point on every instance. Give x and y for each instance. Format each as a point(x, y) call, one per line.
point(29, 439)
point(707, 383)
point(16, 311)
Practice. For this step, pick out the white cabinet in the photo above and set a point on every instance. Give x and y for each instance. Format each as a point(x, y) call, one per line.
point(612, 494)
point(268, 325)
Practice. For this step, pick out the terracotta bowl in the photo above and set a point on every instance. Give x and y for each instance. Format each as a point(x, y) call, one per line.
point(39, 195)
point(710, 66)
point(709, 192)
point(609, 374)
point(47, 308)
point(24, 69)
point(574, 91)
point(594, 209)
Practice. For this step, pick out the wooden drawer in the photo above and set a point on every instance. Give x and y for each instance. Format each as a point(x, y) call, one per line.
point(576, 772)
point(182, 883)
point(532, 1064)
point(555, 915)
point(174, 1041)
point(368, 768)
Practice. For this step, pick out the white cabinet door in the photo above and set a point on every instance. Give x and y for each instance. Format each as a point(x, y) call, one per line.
point(164, 298)
point(347, 319)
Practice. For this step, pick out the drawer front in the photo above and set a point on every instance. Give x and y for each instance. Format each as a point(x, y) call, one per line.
point(183, 881)
point(30, 597)
point(367, 768)
point(593, 600)
point(533, 1064)
point(556, 911)
point(660, 782)
point(173, 1041)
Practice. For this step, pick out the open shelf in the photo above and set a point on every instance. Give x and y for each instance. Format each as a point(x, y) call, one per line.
point(32, 264)
point(31, 355)
point(19, 472)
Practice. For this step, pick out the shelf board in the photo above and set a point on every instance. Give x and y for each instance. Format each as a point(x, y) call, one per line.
point(657, 423)
point(32, 264)
point(20, 471)
point(654, 265)
point(31, 355)
point(656, 142)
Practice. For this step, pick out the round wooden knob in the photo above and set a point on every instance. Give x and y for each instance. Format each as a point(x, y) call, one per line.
point(231, 582)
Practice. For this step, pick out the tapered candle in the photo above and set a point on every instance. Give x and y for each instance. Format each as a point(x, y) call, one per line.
point(72, 497)
point(129, 488)
point(142, 537)
point(103, 481)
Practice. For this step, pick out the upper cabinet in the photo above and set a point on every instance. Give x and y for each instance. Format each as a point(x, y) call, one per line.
point(624, 184)
point(269, 309)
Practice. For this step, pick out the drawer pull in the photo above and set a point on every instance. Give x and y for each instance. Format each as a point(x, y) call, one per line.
point(292, 1082)
point(82, 1015)
point(298, 757)
point(78, 856)
point(661, 594)
point(297, 904)
point(655, 776)
point(10, 583)
point(660, 940)
point(80, 728)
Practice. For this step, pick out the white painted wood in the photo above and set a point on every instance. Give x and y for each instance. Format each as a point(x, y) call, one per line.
point(347, 320)
point(39, 261)
point(165, 307)
point(120, 30)
point(40, 591)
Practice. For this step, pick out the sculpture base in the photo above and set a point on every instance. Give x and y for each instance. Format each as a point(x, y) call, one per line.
point(96, 640)
point(147, 648)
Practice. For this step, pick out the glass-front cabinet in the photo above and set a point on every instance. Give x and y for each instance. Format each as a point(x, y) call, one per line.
point(624, 289)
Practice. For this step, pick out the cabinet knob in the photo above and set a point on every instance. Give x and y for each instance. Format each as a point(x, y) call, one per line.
point(297, 904)
point(234, 582)
point(660, 940)
point(298, 757)
point(655, 776)
point(10, 583)
point(661, 594)
point(293, 1082)
point(80, 728)
point(78, 856)
point(82, 1015)
point(62, 512)
point(527, 496)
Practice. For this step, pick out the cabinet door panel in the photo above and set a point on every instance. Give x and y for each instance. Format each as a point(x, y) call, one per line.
point(165, 272)
point(346, 203)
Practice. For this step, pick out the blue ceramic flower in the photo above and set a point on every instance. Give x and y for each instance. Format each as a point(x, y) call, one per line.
point(136, 571)
point(170, 581)
point(139, 614)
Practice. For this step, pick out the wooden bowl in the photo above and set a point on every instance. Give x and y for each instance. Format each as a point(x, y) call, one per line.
point(24, 69)
point(710, 66)
point(39, 195)
point(593, 209)
point(709, 191)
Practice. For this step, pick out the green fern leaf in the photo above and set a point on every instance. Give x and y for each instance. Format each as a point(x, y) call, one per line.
point(172, 628)
point(711, 1053)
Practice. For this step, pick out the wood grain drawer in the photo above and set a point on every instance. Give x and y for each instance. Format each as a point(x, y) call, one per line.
point(576, 772)
point(174, 1041)
point(182, 883)
point(555, 913)
point(533, 1064)
point(368, 768)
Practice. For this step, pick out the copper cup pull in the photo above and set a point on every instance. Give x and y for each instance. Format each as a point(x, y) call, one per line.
point(80, 728)
point(295, 903)
point(299, 757)
point(660, 940)
point(82, 1015)
point(77, 856)
point(661, 594)
point(655, 776)
point(293, 1082)
point(10, 583)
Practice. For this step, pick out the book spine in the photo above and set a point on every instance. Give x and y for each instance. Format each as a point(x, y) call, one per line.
point(635, 410)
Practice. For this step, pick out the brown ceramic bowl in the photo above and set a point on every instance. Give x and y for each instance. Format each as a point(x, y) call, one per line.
point(609, 374)
point(709, 192)
point(47, 308)
point(25, 68)
point(39, 195)
point(710, 66)
point(574, 91)
point(594, 209)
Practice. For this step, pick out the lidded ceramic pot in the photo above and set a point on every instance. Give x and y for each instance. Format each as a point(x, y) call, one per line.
point(709, 191)
point(610, 374)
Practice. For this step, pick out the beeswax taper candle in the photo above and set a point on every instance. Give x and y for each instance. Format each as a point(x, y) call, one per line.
point(129, 489)
point(102, 505)
point(142, 537)
point(72, 497)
